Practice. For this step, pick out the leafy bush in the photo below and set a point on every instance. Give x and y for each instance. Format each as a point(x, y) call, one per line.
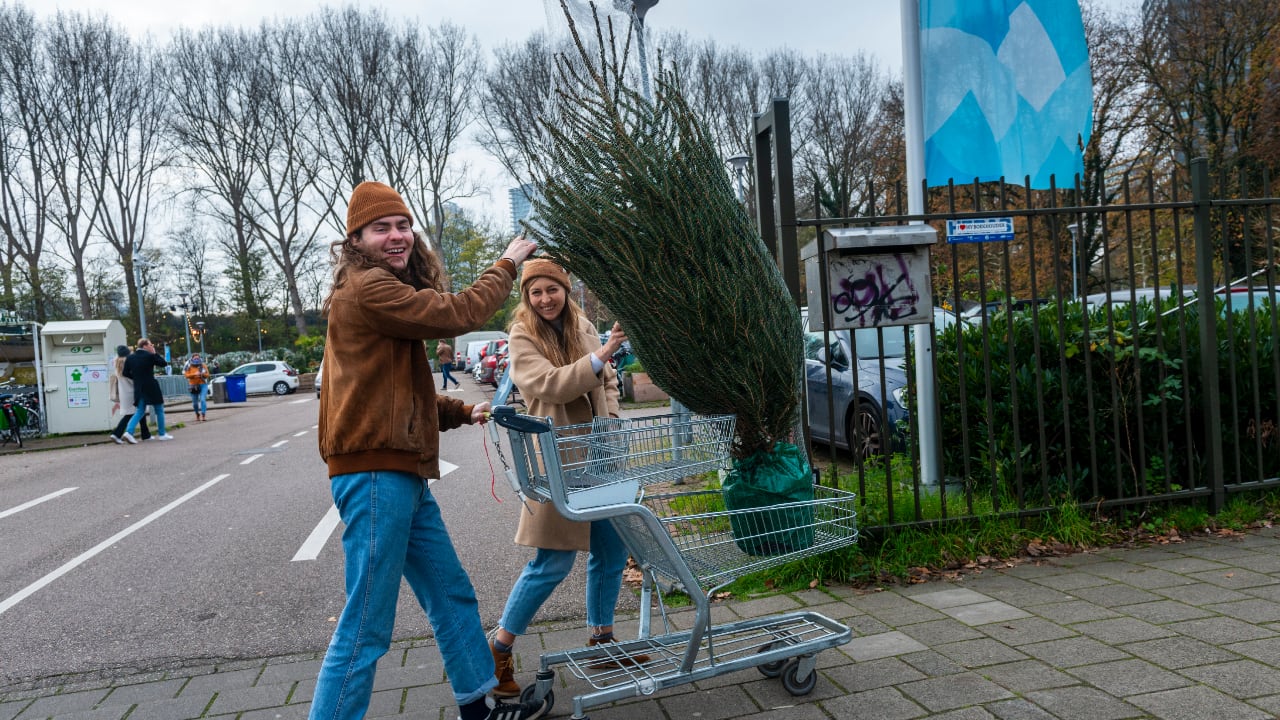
point(1122, 400)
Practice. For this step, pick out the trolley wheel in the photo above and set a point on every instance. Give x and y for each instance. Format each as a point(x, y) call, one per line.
point(794, 685)
point(531, 693)
point(770, 669)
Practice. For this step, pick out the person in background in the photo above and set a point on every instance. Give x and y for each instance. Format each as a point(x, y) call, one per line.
point(379, 434)
point(198, 379)
point(444, 356)
point(140, 368)
point(123, 400)
point(563, 372)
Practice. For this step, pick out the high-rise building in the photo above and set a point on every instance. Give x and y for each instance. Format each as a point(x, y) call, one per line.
point(521, 204)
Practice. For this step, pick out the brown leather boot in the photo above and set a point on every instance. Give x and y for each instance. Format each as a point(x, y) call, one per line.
point(609, 663)
point(505, 668)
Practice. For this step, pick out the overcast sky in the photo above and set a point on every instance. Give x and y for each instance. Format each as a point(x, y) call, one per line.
point(811, 26)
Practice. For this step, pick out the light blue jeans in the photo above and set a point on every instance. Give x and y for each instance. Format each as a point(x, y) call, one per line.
point(198, 401)
point(394, 529)
point(142, 410)
point(605, 563)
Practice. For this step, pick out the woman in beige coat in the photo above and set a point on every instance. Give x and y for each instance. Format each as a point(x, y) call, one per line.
point(563, 373)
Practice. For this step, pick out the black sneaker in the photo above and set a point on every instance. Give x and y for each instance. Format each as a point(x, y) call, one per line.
point(522, 711)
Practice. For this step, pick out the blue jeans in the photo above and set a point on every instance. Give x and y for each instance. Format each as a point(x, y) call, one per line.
point(605, 563)
point(198, 400)
point(141, 411)
point(446, 376)
point(394, 529)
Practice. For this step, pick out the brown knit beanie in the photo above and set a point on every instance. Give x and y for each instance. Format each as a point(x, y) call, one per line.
point(543, 268)
point(373, 200)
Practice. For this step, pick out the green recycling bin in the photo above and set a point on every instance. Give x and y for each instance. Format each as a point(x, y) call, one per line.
point(235, 389)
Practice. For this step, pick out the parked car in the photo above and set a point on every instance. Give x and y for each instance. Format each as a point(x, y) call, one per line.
point(319, 374)
point(274, 376)
point(467, 348)
point(485, 371)
point(858, 418)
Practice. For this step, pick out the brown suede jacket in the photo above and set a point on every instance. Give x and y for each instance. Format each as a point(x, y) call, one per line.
point(378, 403)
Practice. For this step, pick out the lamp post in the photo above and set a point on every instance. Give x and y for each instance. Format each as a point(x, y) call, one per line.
point(259, 336)
point(638, 10)
point(138, 265)
point(738, 164)
point(186, 322)
point(200, 327)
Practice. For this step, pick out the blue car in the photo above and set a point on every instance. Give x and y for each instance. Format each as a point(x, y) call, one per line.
point(865, 409)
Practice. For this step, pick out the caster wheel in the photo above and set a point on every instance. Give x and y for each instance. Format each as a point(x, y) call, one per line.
point(531, 692)
point(770, 669)
point(794, 685)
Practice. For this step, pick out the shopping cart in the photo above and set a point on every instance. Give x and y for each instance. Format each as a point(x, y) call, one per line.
point(609, 469)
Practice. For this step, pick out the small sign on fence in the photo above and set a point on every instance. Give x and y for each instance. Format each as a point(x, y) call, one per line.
point(984, 230)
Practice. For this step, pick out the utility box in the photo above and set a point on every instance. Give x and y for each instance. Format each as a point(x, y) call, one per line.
point(876, 277)
point(76, 357)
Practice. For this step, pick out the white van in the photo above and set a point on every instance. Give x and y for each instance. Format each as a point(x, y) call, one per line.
point(468, 347)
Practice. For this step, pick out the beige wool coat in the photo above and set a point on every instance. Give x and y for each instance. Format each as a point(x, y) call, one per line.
point(568, 395)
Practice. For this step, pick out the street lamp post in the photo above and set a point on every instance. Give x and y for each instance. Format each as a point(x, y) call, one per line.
point(138, 265)
point(186, 321)
point(738, 163)
point(200, 327)
point(259, 336)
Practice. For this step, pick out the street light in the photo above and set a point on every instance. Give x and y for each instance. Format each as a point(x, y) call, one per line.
point(200, 327)
point(186, 320)
point(259, 336)
point(138, 265)
point(738, 164)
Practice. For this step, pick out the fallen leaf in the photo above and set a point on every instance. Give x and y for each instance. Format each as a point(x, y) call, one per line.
point(813, 583)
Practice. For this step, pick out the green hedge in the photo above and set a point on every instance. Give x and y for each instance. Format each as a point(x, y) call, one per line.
point(1127, 370)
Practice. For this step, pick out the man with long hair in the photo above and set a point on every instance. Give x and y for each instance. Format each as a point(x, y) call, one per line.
point(380, 423)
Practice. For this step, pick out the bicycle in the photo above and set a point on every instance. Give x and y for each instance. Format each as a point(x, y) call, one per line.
point(12, 427)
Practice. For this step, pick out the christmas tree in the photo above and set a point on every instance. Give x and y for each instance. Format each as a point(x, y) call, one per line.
point(635, 202)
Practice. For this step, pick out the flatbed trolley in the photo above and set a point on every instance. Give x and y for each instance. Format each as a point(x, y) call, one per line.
point(602, 470)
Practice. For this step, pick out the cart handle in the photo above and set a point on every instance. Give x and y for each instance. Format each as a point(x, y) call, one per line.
point(506, 416)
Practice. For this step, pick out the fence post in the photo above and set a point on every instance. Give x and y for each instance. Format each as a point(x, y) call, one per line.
point(1208, 333)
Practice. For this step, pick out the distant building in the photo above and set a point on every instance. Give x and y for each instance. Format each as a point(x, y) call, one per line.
point(521, 204)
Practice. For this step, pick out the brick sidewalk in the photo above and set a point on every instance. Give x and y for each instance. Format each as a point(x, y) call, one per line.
point(1187, 631)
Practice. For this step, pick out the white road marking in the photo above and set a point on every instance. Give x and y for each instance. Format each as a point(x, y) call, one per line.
point(315, 427)
point(314, 543)
point(88, 554)
point(37, 501)
point(305, 399)
point(279, 443)
point(301, 433)
point(250, 459)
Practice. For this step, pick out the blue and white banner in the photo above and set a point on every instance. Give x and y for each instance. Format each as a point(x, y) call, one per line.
point(1007, 90)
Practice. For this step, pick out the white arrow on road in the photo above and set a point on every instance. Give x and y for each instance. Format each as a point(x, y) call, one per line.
point(314, 543)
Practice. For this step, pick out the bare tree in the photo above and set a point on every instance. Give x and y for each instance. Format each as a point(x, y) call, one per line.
point(218, 93)
point(844, 97)
point(129, 139)
point(348, 72)
point(434, 104)
point(25, 185)
point(285, 201)
point(517, 91)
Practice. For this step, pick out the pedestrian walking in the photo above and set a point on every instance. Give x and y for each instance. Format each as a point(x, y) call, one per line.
point(197, 374)
point(563, 373)
point(140, 368)
point(380, 424)
point(124, 401)
point(444, 356)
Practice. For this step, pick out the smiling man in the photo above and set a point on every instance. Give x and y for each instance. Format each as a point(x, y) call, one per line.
point(380, 423)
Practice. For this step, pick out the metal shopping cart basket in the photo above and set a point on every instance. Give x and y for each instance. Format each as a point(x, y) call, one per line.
point(607, 470)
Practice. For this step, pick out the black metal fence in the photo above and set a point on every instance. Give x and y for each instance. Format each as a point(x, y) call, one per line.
point(1083, 367)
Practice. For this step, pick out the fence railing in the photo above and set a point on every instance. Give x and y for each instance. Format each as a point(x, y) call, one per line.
point(1085, 366)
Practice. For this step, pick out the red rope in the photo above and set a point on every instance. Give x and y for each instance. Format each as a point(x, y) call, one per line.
point(493, 476)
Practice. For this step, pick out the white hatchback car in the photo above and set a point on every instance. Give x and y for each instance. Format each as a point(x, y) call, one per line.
point(266, 377)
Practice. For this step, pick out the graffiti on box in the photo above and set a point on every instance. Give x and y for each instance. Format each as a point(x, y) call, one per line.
point(875, 290)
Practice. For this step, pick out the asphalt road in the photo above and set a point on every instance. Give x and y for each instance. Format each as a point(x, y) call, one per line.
point(120, 558)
